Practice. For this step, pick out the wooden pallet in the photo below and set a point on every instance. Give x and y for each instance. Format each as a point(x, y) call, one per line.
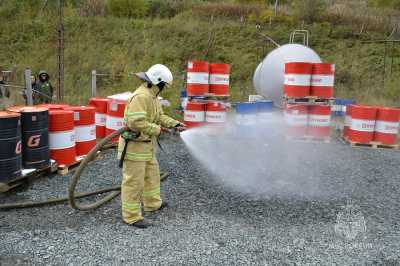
point(66, 169)
point(372, 145)
point(208, 96)
point(309, 139)
point(28, 174)
point(309, 100)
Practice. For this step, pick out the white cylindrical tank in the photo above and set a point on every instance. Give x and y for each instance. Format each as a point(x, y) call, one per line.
point(256, 77)
point(269, 76)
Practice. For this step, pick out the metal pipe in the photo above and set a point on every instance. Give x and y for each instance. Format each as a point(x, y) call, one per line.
point(28, 85)
point(94, 83)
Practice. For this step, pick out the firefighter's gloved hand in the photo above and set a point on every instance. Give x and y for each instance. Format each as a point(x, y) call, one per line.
point(165, 130)
point(181, 127)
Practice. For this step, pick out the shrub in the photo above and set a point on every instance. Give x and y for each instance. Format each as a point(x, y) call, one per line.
point(309, 10)
point(93, 8)
point(128, 8)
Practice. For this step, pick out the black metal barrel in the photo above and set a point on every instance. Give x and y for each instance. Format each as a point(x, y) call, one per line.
point(10, 146)
point(35, 137)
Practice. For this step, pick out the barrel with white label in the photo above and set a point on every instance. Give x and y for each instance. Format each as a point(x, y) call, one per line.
point(319, 121)
point(101, 115)
point(296, 119)
point(62, 136)
point(195, 114)
point(197, 78)
point(297, 79)
point(10, 146)
point(115, 117)
point(387, 125)
point(322, 80)
point(363, 119)
point(35, 137)
point(85, 128)
point(219, 79)
point(215, 112)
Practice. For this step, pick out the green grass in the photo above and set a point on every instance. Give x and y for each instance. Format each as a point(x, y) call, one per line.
point(121, 45)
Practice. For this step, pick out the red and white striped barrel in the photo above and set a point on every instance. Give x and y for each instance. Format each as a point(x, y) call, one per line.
point(197, 78)
point(219, 79)
point(387, 125)
point(296, 119)
point(101, 115)
point(215, 112)
point(115, 117)
point(85, 128)
point(62, 136)
point(297, 79)
point(363, 119)
point(322, 80)
point(319, 121)
point(195, 114)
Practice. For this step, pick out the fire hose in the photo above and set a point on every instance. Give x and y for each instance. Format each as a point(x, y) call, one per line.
point(72, 196)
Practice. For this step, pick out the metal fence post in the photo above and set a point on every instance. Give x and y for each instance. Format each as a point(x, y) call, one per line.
point(94, 83)
point(28, 86)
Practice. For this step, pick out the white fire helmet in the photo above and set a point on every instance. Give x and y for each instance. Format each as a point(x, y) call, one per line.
point(159, 73)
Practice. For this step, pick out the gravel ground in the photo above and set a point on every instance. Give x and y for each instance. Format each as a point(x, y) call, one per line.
point(209, 224)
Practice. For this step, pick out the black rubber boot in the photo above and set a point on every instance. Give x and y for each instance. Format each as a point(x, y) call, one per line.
point(164, 204)
point(142, 224)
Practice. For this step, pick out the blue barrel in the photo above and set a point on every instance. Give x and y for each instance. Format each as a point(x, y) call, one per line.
point(265, 106)
point(246, 119)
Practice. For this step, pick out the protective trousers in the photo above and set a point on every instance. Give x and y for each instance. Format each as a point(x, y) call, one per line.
point(140, 184)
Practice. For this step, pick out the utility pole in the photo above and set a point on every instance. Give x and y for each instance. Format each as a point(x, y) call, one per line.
point(60, 93)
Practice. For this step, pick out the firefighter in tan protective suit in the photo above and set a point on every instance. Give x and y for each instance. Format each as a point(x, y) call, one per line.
point(145, 118)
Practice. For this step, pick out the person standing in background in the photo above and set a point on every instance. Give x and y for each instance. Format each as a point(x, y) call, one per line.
point(43, 90)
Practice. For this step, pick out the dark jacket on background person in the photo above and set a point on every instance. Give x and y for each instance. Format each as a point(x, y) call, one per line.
point(43, 89)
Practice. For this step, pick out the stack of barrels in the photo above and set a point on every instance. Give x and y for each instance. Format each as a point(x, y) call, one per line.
point(308, 80)
point(367, 124)
point(204, 80)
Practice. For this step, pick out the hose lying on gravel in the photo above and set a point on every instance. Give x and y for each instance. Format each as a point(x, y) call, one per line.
point(115, 191)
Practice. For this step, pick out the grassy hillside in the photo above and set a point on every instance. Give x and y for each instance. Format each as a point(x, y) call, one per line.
point(120, 45)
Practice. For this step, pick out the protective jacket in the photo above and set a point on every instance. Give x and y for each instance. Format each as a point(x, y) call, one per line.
point(144, 114)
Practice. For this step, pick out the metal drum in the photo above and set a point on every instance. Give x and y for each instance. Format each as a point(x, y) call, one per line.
point(35, 137)
point(62, 137)
point(363, 119)
point(322, 80)
point(10, 146)
point(387, 125)
point(195, 114)
point(219, 79)
point(197, 78)
point(297, 79)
